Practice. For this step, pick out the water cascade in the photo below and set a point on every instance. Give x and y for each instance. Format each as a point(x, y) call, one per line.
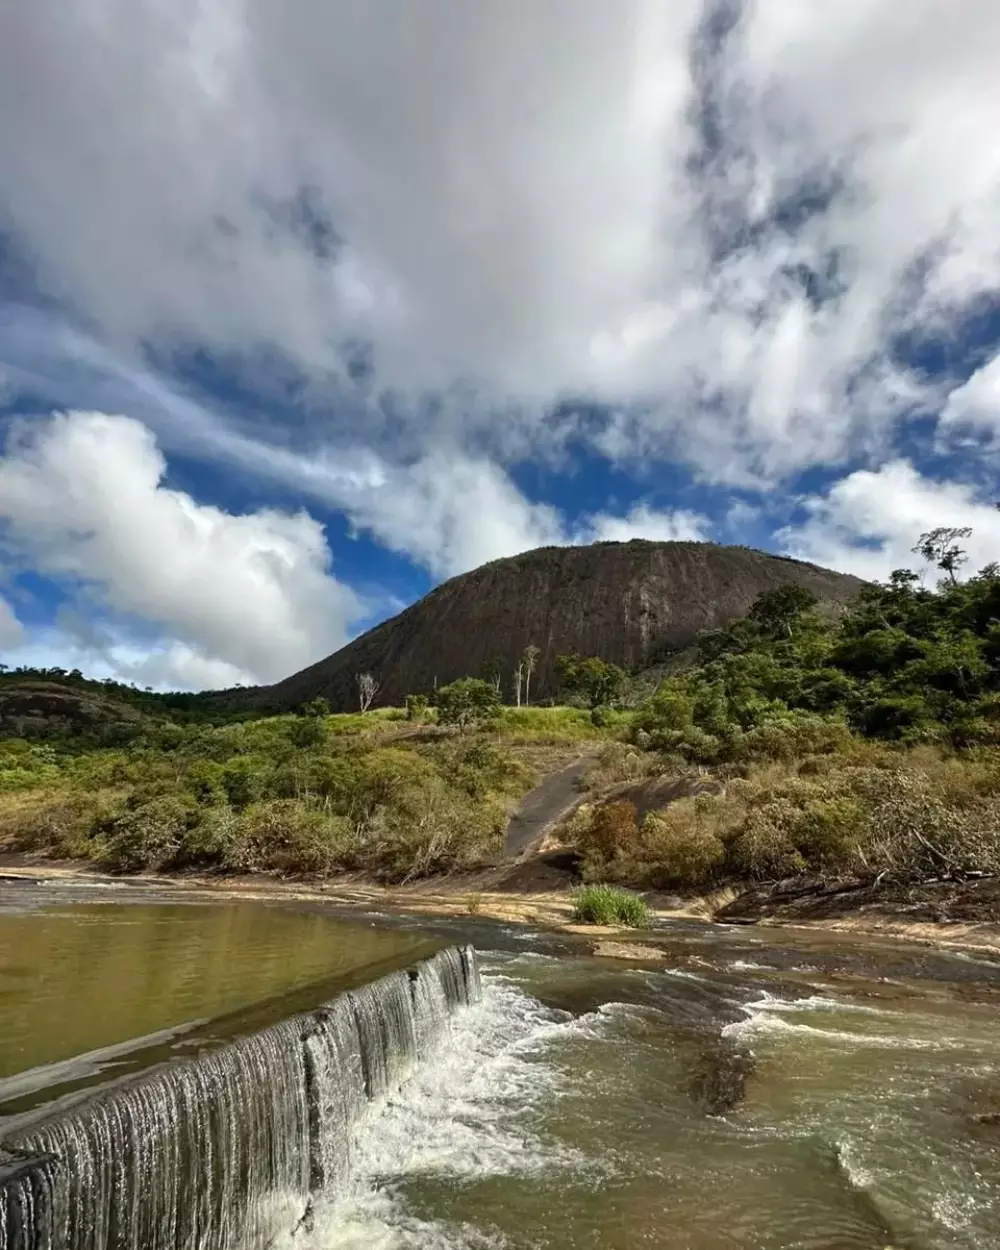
point(225, 1150)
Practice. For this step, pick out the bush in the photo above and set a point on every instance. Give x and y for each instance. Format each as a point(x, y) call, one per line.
point(289, 837)
point(307, 731)
point(148, 835)
point(678, 847)
point(609, 905)
point(611, 832)
point(792, 737)
point(416, 707)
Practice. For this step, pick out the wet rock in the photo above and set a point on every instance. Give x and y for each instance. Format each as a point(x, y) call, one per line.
point(721, 1072)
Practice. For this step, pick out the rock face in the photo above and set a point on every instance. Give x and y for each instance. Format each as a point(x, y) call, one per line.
point(631, 603)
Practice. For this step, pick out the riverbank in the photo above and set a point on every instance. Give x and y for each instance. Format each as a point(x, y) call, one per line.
point(941, 914)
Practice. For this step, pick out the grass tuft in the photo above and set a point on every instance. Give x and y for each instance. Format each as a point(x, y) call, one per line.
point(609, 905)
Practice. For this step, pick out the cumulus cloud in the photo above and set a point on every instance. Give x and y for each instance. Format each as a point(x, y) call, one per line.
point(250, 597)
point(976, 403)
point(718, 217)
point(646, 522)
point(868, 523)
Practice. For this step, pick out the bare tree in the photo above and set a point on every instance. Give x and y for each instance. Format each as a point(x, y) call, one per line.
point(367, 690)
point(493, 672)
point(529, 661)
point(518, 681)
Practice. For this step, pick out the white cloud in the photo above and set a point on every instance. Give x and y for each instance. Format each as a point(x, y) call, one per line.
point(869, 522)
point(232, 596)
point(525, 203)
point(977, 402)
point(11, 629)
point(645, 522)
point(163, 665)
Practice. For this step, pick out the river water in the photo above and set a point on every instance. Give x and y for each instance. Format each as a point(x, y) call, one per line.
point(747, 1088)
point(755, 1094)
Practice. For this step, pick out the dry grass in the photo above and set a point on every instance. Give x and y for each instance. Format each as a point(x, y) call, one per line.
point(872, 812)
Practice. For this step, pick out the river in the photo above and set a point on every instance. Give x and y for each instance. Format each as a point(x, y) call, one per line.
point(741, 1088)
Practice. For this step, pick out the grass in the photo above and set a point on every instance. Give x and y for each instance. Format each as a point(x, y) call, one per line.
point(609, 905)
point(558, 724)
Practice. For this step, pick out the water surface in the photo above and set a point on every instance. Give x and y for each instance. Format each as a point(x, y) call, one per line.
point(718, 1103)
point(81, 978)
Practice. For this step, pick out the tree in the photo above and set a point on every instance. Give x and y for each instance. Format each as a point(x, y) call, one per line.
point(317, 707)
point(308, 731)
point(529, 662)
point(518, 682)
point(776, 611)
point(467, 702)
point(599, 682)
point(940, 546)
point(367, 690)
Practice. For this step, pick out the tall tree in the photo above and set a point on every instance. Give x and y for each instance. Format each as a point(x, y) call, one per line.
point(599, 682)
point(940, 546)
point(776, 611)
point(518, 682)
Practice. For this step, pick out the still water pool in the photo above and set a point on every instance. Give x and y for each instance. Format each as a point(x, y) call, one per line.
point(92, 984)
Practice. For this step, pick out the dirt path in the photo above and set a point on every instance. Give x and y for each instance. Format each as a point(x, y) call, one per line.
point(542, 807)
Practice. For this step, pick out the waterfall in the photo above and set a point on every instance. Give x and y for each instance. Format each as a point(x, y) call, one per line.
point(223, 1151)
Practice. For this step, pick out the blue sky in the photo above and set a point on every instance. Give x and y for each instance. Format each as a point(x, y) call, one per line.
point(305, 307)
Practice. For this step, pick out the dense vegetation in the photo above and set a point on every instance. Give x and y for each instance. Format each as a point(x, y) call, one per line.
point(305, 794)
point(863, 745)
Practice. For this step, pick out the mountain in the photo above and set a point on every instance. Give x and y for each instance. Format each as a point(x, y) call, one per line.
point(631, 603)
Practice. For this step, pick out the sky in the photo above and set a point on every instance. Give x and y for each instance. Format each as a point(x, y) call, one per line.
point(307, 305)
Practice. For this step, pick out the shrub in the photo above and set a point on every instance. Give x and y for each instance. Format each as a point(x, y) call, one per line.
point(678, 847)
point(212, 842)
point(467, 702)
point(764, 848)
point(792, 737)
point(619, 762)
point(307, 731)
point(609, 905)
point(67, 826)
point(287, 836)
point(611, 832)
point(148, 835)
point(416, 706)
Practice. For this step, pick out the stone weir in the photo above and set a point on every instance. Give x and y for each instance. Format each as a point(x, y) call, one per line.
point(231, 1148)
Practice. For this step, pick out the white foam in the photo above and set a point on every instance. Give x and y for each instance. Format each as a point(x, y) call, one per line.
point(860, 1176)
point(816, 1002)
point(468, 1113)
point(955, 1211)
point(762, 1024)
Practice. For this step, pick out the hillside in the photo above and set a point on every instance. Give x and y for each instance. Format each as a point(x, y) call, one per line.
point(39, 708)
point(629, 603)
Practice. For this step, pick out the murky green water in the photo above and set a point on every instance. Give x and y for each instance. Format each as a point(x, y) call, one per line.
point(80, 978)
